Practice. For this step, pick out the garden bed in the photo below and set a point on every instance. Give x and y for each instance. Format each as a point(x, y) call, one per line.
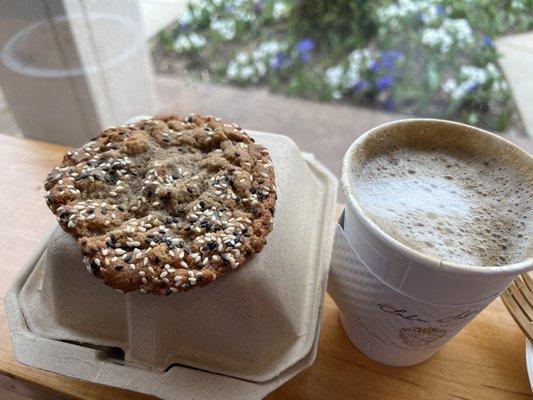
point(426, 58)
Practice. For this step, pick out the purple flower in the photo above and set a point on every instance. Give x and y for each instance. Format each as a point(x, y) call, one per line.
point(487, 41)
point(305, 47)
point(361, 85)
point(383, 83)
point(277, 61)
point(473, 88)
point(258, 6)
point(440, 9)
point(387, 61)
point(375, 66)
point(395, 54)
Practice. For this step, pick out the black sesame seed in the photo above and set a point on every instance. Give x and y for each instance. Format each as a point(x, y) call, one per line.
point(103, 211)
point(119, 267)
point(95, 268)
point(127, 258)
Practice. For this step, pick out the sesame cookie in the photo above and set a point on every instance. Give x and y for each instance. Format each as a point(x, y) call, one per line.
point(165, 204)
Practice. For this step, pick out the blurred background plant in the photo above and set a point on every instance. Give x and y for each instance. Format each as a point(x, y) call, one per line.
point(423, 57)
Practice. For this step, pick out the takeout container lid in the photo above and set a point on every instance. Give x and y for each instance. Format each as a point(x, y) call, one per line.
point(259, 325)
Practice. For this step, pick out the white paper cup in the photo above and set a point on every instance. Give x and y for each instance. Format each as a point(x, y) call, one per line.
point(397, 305)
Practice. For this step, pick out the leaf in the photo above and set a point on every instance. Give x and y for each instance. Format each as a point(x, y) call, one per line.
point(433, 75)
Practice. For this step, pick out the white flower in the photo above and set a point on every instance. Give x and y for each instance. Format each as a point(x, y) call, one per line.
point(242, 14)
point(232, 71)
point(471, 77)
point(437, 38)
point(260, 68)
point(197, 41)
point(188, 42)
point(352, 76)
point(474, 74)
point(333, 76)
point(518, 5)
point(186, 18)
point(246, 72)
point(460, 29)
point(280, 10)
point(449, 86)
point(336, 94)
point(242, 58)
point(225, 28)
point(271, 47)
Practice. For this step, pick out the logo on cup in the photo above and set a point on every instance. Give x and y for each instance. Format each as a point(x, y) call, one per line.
point(421, 336)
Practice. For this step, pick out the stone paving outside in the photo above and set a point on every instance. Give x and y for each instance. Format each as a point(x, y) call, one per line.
point(516, 60)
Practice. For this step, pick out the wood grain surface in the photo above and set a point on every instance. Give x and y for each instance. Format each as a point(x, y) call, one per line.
point(485, 361)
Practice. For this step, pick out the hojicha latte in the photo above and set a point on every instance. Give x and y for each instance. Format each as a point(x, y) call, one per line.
point(461, 202)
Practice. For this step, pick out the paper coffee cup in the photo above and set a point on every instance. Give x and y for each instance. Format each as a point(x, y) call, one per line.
point(399, 306)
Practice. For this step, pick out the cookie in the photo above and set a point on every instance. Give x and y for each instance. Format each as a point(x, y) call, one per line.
point(165, 204)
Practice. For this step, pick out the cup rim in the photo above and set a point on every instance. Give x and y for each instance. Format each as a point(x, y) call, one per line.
point(415, 255)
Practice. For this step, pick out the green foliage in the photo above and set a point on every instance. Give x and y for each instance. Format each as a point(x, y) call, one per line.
point(334, 24)
point(426, 57)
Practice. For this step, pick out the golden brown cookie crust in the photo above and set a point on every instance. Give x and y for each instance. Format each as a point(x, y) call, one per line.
point(165, 204)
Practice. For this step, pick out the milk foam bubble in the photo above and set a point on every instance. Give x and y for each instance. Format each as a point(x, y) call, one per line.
point(450, 204)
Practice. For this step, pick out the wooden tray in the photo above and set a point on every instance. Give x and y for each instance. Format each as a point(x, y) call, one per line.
point(485, 361)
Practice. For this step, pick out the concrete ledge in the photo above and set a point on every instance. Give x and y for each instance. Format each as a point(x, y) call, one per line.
point(517, 63)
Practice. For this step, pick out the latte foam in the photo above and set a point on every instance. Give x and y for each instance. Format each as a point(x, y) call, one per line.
point(469, 205)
